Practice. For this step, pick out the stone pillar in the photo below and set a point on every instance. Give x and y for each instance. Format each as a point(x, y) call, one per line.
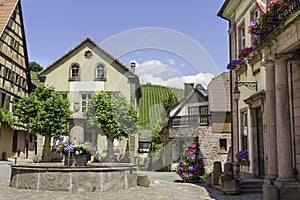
point(76, 126)
point(217, 171)
point(283, 121)
point(270, 191)
point(271, 122)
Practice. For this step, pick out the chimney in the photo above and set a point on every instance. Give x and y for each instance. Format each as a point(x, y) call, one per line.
point(188, 88)
point(132, 67)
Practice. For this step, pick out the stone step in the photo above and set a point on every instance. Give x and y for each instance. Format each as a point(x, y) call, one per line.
point(252, 186)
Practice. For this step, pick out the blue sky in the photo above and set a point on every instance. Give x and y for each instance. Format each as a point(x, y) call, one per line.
point(183, 39)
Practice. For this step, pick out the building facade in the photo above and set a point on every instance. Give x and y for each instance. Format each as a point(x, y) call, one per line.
point(264, 101)
point(87, 69)
point(192, 119)
point(14, 79)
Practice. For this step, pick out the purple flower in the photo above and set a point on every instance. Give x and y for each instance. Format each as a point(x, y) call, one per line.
point(69, 148)
point(192, 168)
point(233, 64)
point(242, 154)
point(192, 157)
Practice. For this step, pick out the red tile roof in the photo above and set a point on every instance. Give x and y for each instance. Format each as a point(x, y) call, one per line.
point(6, 9)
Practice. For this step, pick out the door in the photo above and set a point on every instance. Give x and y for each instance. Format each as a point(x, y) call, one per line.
point(260, 143)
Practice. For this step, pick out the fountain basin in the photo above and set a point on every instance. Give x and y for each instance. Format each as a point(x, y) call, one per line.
point(57, 177)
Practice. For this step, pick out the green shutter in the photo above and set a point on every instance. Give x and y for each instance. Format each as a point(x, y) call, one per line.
point(1, 103)
point(7, 103)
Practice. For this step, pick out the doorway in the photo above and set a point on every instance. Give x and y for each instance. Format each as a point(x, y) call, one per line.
point(260, 143)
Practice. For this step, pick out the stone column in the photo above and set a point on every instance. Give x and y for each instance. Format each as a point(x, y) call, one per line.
point(270, 191)
point(271, 139)
point(283, 121)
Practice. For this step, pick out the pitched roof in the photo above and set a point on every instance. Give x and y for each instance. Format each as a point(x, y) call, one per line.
point(79, 45)
point(6, 9)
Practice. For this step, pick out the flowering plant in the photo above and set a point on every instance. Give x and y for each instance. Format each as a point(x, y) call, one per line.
point(229, 177)
point(190, 164)
point(253, 27)
point(245, 53)
point(206, 177)
point(77, 149)
point(235, 64)
point(242, 154)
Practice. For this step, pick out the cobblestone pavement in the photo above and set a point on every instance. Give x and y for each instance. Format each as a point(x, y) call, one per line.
point(164, 186)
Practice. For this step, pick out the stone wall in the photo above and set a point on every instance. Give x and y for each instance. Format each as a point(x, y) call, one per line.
point(209, 144)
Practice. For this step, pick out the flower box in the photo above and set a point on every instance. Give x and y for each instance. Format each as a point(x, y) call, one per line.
point(231, 187)
point(244, 161)
point(76, 160)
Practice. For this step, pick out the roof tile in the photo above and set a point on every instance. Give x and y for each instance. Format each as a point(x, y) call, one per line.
point(6, 9)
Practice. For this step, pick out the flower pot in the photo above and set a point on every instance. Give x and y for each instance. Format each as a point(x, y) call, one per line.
point(244, 161)
point(231, 187)
point(76, 160)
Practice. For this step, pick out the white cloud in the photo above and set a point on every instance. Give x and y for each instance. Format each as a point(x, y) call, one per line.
point(171, 61)
point(155, 72)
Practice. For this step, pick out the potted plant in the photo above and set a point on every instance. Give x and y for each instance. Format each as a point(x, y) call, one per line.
point(230, 183)
point(207, 179)
point(242, 157)
point(235, 64)
point(191, 166)
point(76, 154)
point(246, 53)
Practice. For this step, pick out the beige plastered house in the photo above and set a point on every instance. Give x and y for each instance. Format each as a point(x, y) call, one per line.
point(86, 69)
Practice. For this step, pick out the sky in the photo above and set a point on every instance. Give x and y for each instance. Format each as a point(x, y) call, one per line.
point(171, 41)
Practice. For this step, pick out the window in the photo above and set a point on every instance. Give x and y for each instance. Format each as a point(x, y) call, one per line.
point(242, 40)
point(100, 71)
point(204, 117)
point(244, 131)
point(204, 110)
point(144, 147)
point(84, 101)
point(15, 141)
point(223, 144)
point(193, 110)
point(7, 102)
point(254, 16)
point(75, 71)
point(2, 99)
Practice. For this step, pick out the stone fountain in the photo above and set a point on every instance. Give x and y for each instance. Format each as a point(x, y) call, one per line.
point(58, 177)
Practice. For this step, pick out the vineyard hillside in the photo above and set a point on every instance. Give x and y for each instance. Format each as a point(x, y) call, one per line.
point(154, 102)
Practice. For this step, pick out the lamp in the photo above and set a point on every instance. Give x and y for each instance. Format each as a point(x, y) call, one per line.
point(236, 93)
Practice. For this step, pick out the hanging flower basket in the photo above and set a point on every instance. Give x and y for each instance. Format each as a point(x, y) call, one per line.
point(235, 64)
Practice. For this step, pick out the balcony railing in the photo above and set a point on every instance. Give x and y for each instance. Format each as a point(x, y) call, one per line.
point(190, 120)
point(280, 17)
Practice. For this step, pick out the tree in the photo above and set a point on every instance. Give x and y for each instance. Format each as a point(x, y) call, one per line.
point(35, 67)
point(6, 118)
point(45, 112)
point(114, 115)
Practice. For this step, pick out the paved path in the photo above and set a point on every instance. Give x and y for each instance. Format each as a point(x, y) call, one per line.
point(164, 186)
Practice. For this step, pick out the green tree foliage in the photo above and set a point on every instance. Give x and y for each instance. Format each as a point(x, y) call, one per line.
point(45, 112)
point(155, 101)
point(35, 67)
point(114, 115)
point(6, 118)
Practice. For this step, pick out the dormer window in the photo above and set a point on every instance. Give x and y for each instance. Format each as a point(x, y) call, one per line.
point(74, 72)
point(100, 72)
